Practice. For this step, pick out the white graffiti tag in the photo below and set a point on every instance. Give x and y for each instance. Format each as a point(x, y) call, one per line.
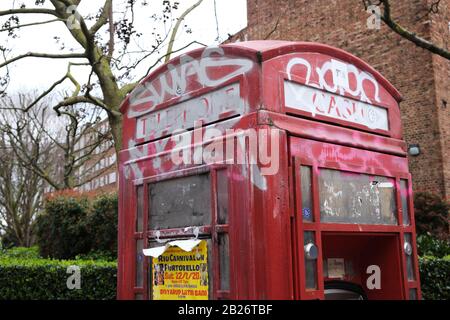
point(174, 82)
point(341, 72)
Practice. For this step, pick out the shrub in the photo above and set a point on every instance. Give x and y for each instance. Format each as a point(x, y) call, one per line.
point(8, 239)
point(20, 253)
point(61, 230)
point(434, 277)
point(46, 279)
point(427, 245)
point(75, 225)
point(98, 255)
point(102, 222)
point(431, 213)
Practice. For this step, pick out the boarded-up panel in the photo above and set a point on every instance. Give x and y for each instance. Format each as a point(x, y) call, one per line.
point(180, 202)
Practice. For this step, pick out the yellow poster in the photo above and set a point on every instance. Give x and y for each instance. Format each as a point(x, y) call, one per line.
point(181, 275)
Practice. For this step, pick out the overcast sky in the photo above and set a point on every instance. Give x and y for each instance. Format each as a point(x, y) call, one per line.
point(38, 74)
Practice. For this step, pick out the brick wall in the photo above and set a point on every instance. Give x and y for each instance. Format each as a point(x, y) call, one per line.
point(440, 34)
point(422, 78)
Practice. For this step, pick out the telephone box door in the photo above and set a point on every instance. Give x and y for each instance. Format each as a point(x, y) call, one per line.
point(352, 223)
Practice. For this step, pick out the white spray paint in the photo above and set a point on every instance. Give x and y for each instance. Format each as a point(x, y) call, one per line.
point(337, 68)
point(148, 94)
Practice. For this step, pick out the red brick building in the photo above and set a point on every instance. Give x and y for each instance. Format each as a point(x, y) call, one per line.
point(422, 78)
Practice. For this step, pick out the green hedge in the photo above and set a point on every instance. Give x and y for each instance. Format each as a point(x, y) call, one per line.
point(435, 277)
point(23, 276)
point(45, 279)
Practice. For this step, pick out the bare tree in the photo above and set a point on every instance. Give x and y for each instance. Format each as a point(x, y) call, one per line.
point(105, 49)
point(65, 152)
point(20, 193)
point(389, 20)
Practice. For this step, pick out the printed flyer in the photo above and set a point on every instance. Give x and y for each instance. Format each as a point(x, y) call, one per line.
point(181, 275)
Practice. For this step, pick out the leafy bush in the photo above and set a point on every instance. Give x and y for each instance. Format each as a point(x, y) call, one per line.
point(75, 225)
point(8, 239)
point(46, 279)
point(431, 213)
point(427, 245)
point(98, 255)
point(61, 231)
point(102, 224)
point(435, 277)
point(20, 253)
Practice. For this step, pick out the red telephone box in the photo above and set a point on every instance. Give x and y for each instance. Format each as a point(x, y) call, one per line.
point(285, 158)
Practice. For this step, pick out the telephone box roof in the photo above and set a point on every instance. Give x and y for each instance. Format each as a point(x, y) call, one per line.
point(263, 50)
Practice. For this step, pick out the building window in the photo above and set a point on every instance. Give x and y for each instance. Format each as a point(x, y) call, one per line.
point(112, 177)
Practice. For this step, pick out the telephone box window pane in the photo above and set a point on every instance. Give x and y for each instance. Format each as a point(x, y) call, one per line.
point(409, 259)
point(139, 263)
point(224, 260)
point(307, 208)
point(222, 196)
point(138, 296)
point(310, 264)
point(404, 198)
point(140, 209)
point(347, 197)
point(412, 294)
point(180, 202)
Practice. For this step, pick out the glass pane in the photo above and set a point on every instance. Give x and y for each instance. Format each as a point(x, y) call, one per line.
point(222, 196)
point(310, 265)
point(140, 209)
point(412, 294)
point(224, 260)
point(139, 263)
point(138, 296)
point(404, 198)
point(347, 197)
point(409, 259)
point(325, 268)
point(180, 202)
point(306, 188)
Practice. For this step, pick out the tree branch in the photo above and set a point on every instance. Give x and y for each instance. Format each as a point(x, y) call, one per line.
point(43, 55)
point(177, 25)
point(70, 101)
point(30, 24)
point(414, 38)
point(103, 19)
point(162, 57)
point(27, 11)
point(273, 29)
point(68, 75)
